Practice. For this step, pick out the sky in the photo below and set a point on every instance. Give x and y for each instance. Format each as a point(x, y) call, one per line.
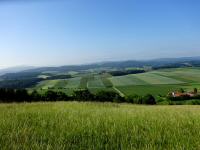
point(65, 32)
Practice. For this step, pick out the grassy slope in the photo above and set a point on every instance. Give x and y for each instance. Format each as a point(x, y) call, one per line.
point(73, 125)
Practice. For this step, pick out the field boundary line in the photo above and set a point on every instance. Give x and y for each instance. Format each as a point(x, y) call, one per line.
point(120, 93)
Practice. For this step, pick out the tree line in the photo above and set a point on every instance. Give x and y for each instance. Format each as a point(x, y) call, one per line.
point(19, 83)
point(26, 79)
point(126, 72)
point(22, 95)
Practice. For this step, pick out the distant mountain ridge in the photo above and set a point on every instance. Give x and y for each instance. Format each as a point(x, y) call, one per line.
point(193, 61)
point(15, 69)
point(155, 63)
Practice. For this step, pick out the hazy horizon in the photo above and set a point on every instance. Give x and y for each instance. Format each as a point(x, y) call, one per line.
point(87, 63)
point(55, 33)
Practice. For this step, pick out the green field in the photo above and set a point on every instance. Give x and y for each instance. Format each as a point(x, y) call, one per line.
point(148, 89)
point(154, 82)
point(94, 83)
point(127, 80)
point(67, 86)
point(73, 83)
point(158, 82)
point(50, 84)
point(152, 78)
point(73, 125)
point(44, 85)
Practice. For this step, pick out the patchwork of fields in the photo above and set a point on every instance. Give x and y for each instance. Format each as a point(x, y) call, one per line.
point(154, 82)
point(159, 81)
point(93, 82)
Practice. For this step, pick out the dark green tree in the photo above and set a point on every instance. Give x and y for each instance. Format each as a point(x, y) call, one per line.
point(149, 99)
point(181, 90)
point(50, 96)
point(195, 90)
point(83, 95)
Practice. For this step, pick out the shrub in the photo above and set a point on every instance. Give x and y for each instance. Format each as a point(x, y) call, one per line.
point(22, 95)
point(195, 102)
point(149, 99)
point(108, 96)
point(195, 90)
point(84, 95)
point(181, 90)
point(50, 96)
point(35, 96)
point(135, 99)
point(62, 96)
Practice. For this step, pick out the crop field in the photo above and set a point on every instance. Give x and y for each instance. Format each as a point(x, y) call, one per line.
point(69, 83)
point(47, 84)
point(143, 79)
point(158, 82)
point(96, 83)
point(154, 82)
point(85, 79)
point(66, 86)
point(148, 89)
point(127, 80)
point(74, 125)
point(184, 74)
point(107, 83)
point(151, 78)
point(74, 82)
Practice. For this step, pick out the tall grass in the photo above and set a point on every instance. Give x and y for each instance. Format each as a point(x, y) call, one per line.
point(73, 125)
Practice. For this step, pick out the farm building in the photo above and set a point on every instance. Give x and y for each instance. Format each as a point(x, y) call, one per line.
point(179, 94)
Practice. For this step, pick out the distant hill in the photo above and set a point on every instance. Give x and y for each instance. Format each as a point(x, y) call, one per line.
point(15, 69)
point(24, 77)
point(156, 63)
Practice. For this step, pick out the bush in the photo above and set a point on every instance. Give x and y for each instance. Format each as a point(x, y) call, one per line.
point(108, 96)
point(63, 97)
point(149, 99)
point(135, 99)
point(50, 96)
point(83, 95)
point(22, 95)
point(195, 102)
point(35, 96)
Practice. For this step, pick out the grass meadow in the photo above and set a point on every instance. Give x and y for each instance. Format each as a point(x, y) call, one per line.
point(75, 125)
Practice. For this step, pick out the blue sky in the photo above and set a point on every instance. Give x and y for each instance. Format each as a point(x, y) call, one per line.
point(58, 32)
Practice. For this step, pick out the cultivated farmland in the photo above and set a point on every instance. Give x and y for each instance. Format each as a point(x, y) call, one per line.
point(96, 83)
point(158, 82)
point(154, 82)
point(151, 78)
